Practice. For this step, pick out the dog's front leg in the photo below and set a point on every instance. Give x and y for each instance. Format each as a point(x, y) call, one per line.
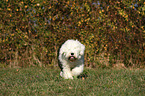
point(77, 70)
point(66, 74)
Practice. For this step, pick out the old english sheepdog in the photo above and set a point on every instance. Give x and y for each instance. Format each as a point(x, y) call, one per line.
point(71, 59)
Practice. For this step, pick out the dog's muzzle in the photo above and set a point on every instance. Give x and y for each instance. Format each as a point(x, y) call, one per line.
point(72, 58)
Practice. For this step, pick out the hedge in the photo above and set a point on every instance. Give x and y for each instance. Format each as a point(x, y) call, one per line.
point(33, 30)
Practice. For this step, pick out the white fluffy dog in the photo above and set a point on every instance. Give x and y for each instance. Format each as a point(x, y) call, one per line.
point(71, 59)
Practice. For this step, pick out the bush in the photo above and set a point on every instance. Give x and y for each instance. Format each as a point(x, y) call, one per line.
point(32, 31)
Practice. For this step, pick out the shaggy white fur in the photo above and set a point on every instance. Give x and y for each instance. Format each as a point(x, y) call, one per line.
point(71, 59)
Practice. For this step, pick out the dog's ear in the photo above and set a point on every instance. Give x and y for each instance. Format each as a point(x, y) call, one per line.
point(82, 49)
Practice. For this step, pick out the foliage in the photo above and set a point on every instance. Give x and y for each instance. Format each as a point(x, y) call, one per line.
point(100, 82)
point(33, 30)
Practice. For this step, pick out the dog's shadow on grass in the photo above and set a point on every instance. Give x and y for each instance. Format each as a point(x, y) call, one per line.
point(83, 76)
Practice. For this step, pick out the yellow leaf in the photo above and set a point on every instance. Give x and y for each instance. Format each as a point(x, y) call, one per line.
point(12, 34)
point(26, 6)
point(8, 9)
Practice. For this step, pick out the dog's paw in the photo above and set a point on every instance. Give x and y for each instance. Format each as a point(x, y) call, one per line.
point(66, 75)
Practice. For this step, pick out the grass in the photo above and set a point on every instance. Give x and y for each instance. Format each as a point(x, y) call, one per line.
point(45, 81)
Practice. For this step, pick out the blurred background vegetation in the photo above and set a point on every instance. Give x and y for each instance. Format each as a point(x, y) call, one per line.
point(113, 31)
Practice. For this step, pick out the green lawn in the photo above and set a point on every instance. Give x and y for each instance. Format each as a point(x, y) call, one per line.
point(46, 81)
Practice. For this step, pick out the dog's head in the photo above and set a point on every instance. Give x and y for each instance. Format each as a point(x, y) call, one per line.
point(72, 50)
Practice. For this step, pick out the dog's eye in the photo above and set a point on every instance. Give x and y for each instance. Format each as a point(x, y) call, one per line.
point(64, 53)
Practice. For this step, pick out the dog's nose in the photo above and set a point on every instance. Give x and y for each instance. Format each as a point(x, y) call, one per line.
point(72, 53)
